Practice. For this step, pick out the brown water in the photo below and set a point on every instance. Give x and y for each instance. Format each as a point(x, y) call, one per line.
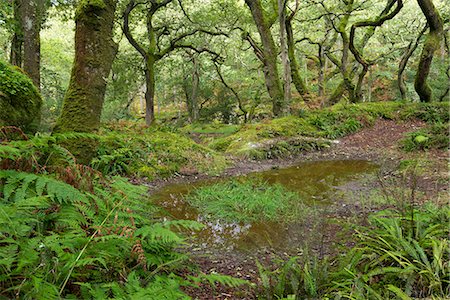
point(319, 185)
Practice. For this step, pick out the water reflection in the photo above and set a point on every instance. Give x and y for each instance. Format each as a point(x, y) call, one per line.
point(316, 183)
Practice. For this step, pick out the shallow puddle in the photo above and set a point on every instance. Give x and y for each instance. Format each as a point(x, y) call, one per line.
point(317, 183)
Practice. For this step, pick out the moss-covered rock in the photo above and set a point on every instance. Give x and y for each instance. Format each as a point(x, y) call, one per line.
point(20, 101)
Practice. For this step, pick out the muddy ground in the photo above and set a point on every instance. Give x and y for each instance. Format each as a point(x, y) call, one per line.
point(379, 144)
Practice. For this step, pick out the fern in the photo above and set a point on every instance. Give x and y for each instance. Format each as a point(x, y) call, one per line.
point(214, 278)
point(55, 234)
point(17, 186)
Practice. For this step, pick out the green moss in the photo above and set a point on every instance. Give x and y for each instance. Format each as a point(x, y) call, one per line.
point(310, 129)
point(20, 101)
point(85, 6)
point(223, 129)
point(434, 136)
point(154, 153)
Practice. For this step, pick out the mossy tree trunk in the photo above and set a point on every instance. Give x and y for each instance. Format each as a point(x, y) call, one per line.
point(412, 46)
point(268, 54)
point(191, 85)
point(297, 79)
point(150, 90)
point(371, 25)
point(194, 111)
point(432, 44)
point(94, 53)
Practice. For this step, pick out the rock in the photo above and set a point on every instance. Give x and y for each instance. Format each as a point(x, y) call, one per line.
point(20, 101)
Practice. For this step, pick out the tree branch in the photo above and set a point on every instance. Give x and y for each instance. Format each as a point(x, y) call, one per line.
point(126, 28)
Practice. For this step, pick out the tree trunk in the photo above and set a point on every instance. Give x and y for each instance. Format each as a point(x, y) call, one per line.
point(432, 43)
point(404, 61)
point(94, 53)
point(447, 71)
point(15, 57)
point(321, 64)
point(269, 58)
point(284, 55)
point(195, 87)
point(150, 90)
point(297, 79)
point(32, 15)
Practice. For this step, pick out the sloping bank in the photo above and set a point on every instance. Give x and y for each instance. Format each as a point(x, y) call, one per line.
point(315, 130)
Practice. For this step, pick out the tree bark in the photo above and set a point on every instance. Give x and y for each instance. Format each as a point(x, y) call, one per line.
point(432, 43)
point(284, 55)
point(371, 24)
point(150, 90)
point(194, 111)
point(238, 98)
point(32, 14)
point(447, 71)
point(268, 57)
point(404, 61)
point(15, 57)
point(94, 53)
point(297, 79)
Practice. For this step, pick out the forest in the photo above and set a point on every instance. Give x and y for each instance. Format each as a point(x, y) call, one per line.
point(224, 149)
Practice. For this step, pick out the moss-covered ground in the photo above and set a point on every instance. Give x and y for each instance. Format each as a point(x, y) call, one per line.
point(131, 149)
point(314, 129)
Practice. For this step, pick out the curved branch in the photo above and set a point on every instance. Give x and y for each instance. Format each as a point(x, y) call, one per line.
point(174, 43)
point(372, 23)
point(240, 105)
point(126, 28)
point(404, 61)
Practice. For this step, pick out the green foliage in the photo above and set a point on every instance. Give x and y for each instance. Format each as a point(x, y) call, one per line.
point(246, 201)
point(434, 136)
point(437, 112)
point(296, 277)
point(57, 54)
point(214, 128)
point(20, 101)
point(397, 255)
point(151, 152)
point(55, 237)
point(41, 153)
point(289, 135)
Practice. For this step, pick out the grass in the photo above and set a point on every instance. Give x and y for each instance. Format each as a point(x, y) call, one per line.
point(245, 201)
point(213, 128)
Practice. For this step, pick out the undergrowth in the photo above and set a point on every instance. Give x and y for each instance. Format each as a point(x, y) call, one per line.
point(69, 231)
point(154, 153)
point(398, 253)
point(434, 136)
point(396, 257)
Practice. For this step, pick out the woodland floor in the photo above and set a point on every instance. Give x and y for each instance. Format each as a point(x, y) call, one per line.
point(378, 144)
